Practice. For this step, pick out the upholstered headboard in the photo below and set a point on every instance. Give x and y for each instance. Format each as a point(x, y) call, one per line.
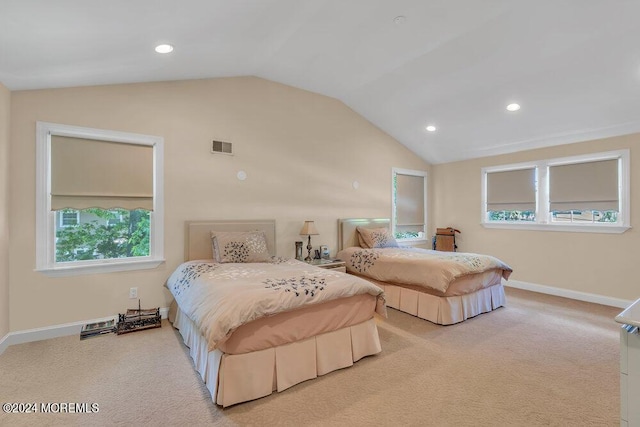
point(347, 235)
point(197, 234)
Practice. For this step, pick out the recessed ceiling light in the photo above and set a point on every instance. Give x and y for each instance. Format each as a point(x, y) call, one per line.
point(164, 48)
point(431, 128)
point(398, 20)
point(513, 107)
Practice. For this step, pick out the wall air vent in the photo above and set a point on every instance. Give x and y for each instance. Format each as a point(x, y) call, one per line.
point(220, 147)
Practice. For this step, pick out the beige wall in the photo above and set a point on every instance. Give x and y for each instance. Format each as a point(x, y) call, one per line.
point(301, 152)
point(5, 100)
point(602, 264)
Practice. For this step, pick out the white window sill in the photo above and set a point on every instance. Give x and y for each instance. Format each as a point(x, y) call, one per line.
point(413, 242)
point(108, 266)
point(572, 228)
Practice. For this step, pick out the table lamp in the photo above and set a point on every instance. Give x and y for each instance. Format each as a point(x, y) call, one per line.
point(309, 229)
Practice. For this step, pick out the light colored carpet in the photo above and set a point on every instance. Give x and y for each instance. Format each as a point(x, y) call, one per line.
point(541, 360)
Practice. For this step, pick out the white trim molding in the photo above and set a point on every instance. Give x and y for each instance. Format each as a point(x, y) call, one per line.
point(55, 331)
point(568, 293)
point(103, 266)
point(4, 343)
point(600, 228)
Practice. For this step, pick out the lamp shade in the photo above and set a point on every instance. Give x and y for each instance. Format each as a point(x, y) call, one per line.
point(309, 229)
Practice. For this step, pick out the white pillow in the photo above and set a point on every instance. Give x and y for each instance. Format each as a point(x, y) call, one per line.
point(376, 238)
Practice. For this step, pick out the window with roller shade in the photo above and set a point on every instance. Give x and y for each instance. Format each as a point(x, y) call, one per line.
point(584, 192)
point(511, 195)
point(580, 193)
point(409, 204)
point(112, 182)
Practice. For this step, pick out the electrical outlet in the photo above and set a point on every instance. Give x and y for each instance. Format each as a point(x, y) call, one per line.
point(133, 293)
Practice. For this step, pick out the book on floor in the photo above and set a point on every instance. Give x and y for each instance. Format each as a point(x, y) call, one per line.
point(97, 328)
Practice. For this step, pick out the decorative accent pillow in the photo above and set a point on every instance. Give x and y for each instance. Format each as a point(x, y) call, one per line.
point(239, 246)
point(376, 238)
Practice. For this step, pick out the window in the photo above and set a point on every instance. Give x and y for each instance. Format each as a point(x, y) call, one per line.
point(118, 216)
point(68, 218)
point(409, 204)
point(103, 234)
point(511, 195)
point(582, 193)
point(99, 200)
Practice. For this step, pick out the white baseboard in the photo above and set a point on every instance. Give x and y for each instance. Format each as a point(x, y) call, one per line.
point(48, 332)
point(567, 293)
point(74, 328)
point(4, 343)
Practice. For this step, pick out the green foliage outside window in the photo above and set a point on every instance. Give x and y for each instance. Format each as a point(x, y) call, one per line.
point(114, 233)
point(558, 216)
point(512, 216)
point(608, 216)
point(585, 216)
point(407, 235)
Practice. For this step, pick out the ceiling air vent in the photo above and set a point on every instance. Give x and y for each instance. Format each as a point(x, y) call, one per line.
point(220, 147)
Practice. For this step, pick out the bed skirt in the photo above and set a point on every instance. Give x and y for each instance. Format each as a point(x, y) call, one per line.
point(235, 378)
point(444, 310)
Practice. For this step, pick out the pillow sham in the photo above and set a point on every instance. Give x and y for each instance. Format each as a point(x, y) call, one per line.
point(239, 246)
point(376, 238)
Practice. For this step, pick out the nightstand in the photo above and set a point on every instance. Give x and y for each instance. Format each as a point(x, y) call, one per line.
point(330, 264)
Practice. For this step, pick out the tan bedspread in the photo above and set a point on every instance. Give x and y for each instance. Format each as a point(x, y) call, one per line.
point(219, 298)
point(419, 267)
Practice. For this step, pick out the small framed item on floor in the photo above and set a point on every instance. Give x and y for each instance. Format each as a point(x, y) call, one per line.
point(95, 329)
point(138, 319)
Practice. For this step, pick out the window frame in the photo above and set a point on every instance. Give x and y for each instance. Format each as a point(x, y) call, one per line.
point(543, 220)
point(423, 174)
point(63, 225)
point(45, 218)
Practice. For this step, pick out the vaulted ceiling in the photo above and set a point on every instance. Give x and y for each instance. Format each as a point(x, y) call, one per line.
point(572, 65)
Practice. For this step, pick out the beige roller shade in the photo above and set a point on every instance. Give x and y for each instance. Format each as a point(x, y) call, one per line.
point(409, 200)
point(87, 173)
point(584, 186)
point(511, 190)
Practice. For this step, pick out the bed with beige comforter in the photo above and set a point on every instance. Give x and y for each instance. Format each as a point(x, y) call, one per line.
point(254, 328)
point(442, 287)
point(419, 267)
point(220, 297)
